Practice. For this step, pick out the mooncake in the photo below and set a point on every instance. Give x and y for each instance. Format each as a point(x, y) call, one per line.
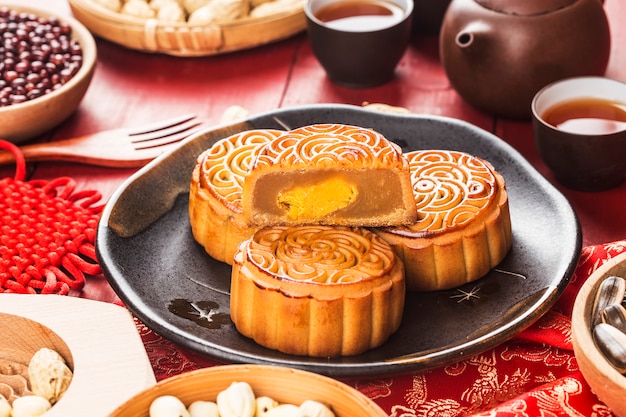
point(463, 228)
point(215, 208)
point(329, 174)
point(319, 291)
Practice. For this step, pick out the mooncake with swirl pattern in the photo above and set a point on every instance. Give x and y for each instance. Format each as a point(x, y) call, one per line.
point(215, 208)
point(463, 228)
point(329, 174)
point(320, 291)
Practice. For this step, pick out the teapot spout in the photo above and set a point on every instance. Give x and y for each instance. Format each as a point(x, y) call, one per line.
point(471, 34)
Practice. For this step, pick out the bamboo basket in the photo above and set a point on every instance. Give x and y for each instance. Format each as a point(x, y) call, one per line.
point(182, 39)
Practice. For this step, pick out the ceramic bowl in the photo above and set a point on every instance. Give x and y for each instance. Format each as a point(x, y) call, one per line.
point(285, 385)
point(23, 121)
point(608, 384)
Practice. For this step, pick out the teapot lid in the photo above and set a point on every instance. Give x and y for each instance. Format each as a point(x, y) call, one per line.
point(525, 7)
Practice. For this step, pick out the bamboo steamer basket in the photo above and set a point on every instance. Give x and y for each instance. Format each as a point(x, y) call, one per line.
point(285, 385)
point(605, 381)
point(185, 40)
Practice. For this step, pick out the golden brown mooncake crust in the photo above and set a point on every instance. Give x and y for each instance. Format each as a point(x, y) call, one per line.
point(318, 291)
point(329, 174)
point(463, 228)
point(215, 209)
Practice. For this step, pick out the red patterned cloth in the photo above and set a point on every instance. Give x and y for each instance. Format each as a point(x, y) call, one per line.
point(533, 374)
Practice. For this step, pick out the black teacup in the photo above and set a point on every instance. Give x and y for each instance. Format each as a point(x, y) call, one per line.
point(359, 42)
point(580, 131)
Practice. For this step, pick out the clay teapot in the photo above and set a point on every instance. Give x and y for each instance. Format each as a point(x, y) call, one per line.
point(499, 53)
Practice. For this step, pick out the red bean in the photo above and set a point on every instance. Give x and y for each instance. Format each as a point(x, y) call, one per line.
point(17, 98)
point(10, 75)
point(37, 56)
point(22, 67)
point(33, 78)
point(9, 64)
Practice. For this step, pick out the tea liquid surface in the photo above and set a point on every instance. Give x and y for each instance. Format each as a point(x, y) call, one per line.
point(360, 16)
point(587, 116)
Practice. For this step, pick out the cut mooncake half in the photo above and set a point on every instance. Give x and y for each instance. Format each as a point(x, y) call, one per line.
point(215, 209)
point(330, 174)
point(463, 228)
point(320, 291)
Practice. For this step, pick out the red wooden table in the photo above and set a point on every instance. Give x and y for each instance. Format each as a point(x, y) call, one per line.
point(131, 88)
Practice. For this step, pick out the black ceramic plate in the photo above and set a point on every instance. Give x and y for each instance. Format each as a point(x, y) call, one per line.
point(166, 279)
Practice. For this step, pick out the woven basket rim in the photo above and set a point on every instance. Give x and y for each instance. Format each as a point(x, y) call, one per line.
point(138, 22)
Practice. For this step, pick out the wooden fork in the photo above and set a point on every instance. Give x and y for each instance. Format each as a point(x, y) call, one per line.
point(118, 148)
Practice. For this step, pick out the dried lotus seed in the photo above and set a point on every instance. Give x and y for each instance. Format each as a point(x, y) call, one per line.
point(264, 404)
point(386, 108)
point(30, 406)
point(234, 113)
point(203, 409)
point(312, 408)
point(5, 407)
point(238, 400)
point(168, 406)
point(285, 410)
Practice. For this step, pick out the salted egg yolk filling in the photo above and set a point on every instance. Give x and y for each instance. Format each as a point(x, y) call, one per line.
point(313, 202)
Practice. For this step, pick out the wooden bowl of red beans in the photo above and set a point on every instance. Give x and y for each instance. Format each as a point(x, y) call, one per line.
point(47, 62)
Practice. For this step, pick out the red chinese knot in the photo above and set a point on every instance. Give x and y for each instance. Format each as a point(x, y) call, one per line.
point(47, 233)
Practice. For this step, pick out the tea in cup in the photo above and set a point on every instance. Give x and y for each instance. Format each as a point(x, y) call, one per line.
point(359, 42)
point(579, 126)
